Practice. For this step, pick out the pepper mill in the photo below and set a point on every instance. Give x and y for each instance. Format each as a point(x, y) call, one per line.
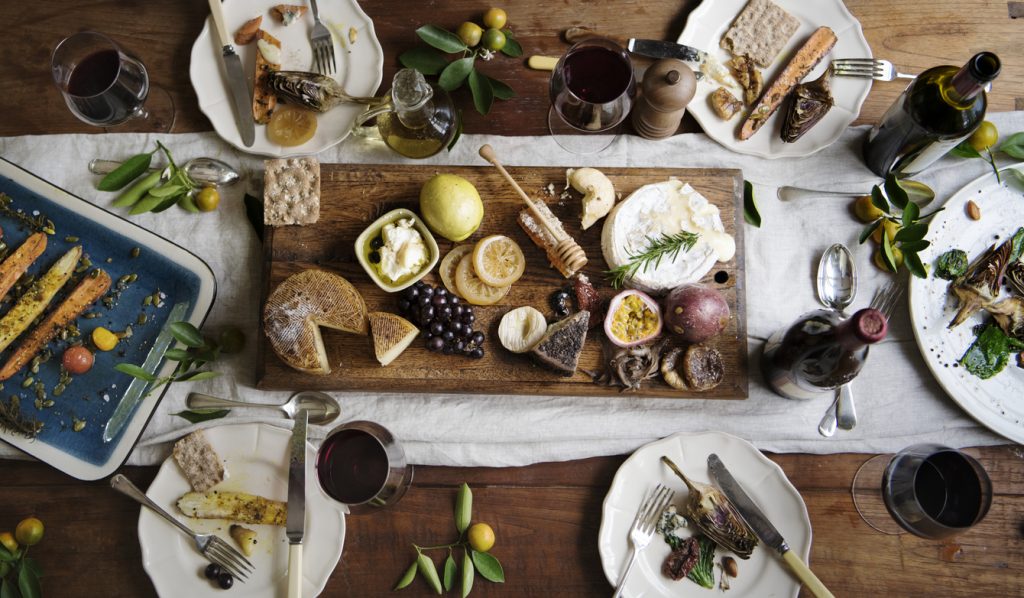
point(668, 86)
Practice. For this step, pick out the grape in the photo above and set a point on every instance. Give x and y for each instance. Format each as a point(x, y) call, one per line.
point(426, 313)
point(427, 290)
point(436, 328)
point(456, 308)
point(411, 293)
point(423, 300)
point(447, 350)
point(455, 326)
point(454, 300)
point(441, 291)
point(445, 312)
point(404, 305)
point(448, 335)
point(468, 318)
point(477, 353)
point(439, 300)
point(459, 346)
point(435, 344)
point(477, 338)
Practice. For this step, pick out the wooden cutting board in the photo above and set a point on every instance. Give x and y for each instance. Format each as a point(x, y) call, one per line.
point(353, 196)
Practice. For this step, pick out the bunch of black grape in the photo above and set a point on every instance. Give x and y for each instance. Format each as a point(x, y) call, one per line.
point(445, 323)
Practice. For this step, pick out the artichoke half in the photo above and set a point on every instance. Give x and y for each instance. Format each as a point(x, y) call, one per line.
point(811, 101)
point(715, 516)
point(979, 287)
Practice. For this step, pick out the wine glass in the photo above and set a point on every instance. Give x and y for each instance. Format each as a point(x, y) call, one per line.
point(592, 89)
point(362, 465)
point(106, 87)
point(929, 490)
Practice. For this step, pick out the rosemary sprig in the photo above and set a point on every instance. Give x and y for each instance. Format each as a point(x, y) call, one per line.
point(656, 249)
point(40, 223)
point(14, 421)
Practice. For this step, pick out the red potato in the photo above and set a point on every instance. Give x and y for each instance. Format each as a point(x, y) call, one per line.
point(695, 312)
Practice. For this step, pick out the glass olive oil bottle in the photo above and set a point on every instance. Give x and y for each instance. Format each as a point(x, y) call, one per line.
point(940, 108)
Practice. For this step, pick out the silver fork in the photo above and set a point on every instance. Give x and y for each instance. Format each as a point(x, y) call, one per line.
point(211, 546)
point(867, 68)
point(644, 524)
point(323, 44)
point(885, 298)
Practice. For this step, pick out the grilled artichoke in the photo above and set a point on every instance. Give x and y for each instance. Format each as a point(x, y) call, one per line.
point(811, 101)
point(715, 516)
point(979, 286)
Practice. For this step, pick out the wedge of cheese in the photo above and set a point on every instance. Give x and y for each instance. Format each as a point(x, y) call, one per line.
point(392, 334)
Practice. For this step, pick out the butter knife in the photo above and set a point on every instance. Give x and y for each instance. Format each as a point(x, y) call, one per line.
point(295, 527)
point(764, 529)
point(651, 48)
point(237, 85)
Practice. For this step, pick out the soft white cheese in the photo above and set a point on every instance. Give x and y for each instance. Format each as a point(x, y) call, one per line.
point(404, 251)
point(271, 53)
point(666, 209)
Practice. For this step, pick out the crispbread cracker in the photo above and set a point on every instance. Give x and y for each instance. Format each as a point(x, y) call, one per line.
point(760, 31)
point(199, 462)
point(291, 191)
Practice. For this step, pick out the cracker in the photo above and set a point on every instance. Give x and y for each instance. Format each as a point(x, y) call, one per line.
point(760, 31)
point(291, 191)
point(199, 462)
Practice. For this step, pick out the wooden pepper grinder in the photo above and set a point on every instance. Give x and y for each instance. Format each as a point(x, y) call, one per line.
point(668, 86)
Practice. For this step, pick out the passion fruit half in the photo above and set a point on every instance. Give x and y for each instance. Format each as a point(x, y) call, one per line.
point(633, 318)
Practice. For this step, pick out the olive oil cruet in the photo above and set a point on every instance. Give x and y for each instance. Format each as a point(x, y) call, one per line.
point(417, 121)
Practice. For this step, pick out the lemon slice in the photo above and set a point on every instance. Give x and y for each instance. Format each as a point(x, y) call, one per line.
point(449, 264)
point(498, 260)
point(474, 290)
point(521, 329)
point(290, 126)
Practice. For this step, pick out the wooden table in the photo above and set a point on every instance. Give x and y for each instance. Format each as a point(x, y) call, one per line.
point(546, 516)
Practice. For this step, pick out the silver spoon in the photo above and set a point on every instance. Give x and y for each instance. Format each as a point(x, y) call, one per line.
point(837, 286)
point(322, 407)
point(203, 171)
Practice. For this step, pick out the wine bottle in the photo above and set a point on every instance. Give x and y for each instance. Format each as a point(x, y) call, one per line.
point(937, 111)
point(821, 351)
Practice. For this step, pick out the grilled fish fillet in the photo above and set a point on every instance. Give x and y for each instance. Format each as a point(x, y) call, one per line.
point(233, 506)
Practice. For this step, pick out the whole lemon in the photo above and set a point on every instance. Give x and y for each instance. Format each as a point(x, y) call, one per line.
point(865, 210)
point(984, 137)
point(29, 531)
point(8, 542)
point(451, 206)
point(481, 537)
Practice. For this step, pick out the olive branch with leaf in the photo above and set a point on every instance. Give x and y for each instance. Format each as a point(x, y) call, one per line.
point(900, 202)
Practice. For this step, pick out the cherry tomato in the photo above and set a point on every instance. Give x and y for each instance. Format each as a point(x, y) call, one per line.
point(208, 199)
point(77, 360)
point(494, 40)
point(495, 18)
point(29, 531)
point(470, 33)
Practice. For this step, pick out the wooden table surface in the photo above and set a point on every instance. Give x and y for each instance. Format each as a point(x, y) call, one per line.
point(546, 516)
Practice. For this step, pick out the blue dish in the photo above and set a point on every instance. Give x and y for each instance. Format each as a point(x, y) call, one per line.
point(108, 240)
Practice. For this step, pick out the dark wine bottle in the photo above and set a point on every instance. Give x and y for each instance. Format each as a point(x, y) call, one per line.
point(939, 109)
point(821, 351)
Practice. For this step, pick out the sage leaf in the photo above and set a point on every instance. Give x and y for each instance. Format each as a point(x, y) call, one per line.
point(6, 556)
point(408, 576)
point(169, 202)
point(442, 39)
point(501, 90)
point(910, 213)
point(449, 572)
point(468, 573)
point(750, 213)
point(138, 190)
point(878, 200)
point(455, 73)
point(458, 132)
point(888, 258)
point(1016, 177)
point(28, 583)
point(187, 334)
point(134, 371)
point(914, 246)
point(918, 193)
point(488, 566)
point(177, 354)
point(147, 203)
point(424, 59)
point(463, 508)
point(128, 171)
point(914, 232)
point(196, 416)
point(869, 228)
point(1013, 146)
point(897, 196)
point(511, 47)
point(429, 572)
point(7, 589)
point(196, 376)
point(964, 150)
point(483, 94)
point(913, 262)
point(188, 203)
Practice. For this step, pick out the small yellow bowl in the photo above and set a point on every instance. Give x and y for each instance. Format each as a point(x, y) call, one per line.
point(362, 247)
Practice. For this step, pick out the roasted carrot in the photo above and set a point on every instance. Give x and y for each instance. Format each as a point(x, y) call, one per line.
point(15, 265)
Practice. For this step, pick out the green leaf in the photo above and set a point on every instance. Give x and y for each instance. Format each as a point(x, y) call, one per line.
point(914, 232)
point(897, 196)
point(964, 150)
point(1016, 177)
point(918, 193)
point(910, 213)
point(878, 200)
point(458, 132)
point(424, 59)
point(1013, 146)
point(915, 246)
point(468, 572)
point(869, 228)
point(147, 203)
point(512, 47)
point(6, 556)
point(187, 334)
point(177, 354)
point(33, 565)
point(429, 572)
point(128, 171)
point(28, 583)
point(913, 263)
point(407, 577)
point(887, 255)
point(134, 370)
point(483, 95)
point(442, 39)
point(449, 572)
point(463, 508)
point(196, 376)
point(488, 566)
point(202, 415)
point(168, 203)
point(750, 213)
point(501, 90)
point(7, 589)
point(455, 73)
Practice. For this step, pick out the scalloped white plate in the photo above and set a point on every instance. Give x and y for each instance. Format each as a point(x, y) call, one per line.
point(704, 29)
point(360, 69)
point(763, 575)
point(256, 458)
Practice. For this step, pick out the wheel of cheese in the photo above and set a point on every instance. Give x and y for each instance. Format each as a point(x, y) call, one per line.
point(300, 305)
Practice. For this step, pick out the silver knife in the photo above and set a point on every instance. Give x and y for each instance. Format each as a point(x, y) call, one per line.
point(240, 96)
point(764, 529)
point(644, 47)
point(134, 395)
point(295, 527)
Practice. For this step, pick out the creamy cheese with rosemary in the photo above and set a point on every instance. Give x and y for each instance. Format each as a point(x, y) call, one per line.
point(666, 208)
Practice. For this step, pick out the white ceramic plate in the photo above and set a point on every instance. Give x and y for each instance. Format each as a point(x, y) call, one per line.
point(992, 402)
point(360, 69)
point(704, 29)
point(256, 458)
point(764, 575)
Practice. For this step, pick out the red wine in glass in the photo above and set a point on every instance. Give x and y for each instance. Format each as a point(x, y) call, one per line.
point(593, 86)
point(360, 463)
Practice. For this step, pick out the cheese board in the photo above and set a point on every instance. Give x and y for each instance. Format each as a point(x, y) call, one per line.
point(353, 196)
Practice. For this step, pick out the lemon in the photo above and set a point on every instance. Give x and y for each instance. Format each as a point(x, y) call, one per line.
point(449, 264)
point(865, 210)
point(984, 137)
point(891, 228)
point(451, 206)
point(481, 537)
point(290, 126)
point(879, 260)
point(8, 542)
point(474, 290)
point(498, 260)
point(29, 531)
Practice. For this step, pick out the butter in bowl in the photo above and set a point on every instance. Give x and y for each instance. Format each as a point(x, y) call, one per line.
point(397, 250)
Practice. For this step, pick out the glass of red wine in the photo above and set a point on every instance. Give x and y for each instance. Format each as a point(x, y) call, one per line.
point(929, 490)
point(362, 465)
point(592, 90)
point(106, 87)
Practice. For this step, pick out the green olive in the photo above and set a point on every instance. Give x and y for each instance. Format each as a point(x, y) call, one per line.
point(29, 531)
point(470, 33)
point(208, 199)
point(494, 40)
point(495, 18)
